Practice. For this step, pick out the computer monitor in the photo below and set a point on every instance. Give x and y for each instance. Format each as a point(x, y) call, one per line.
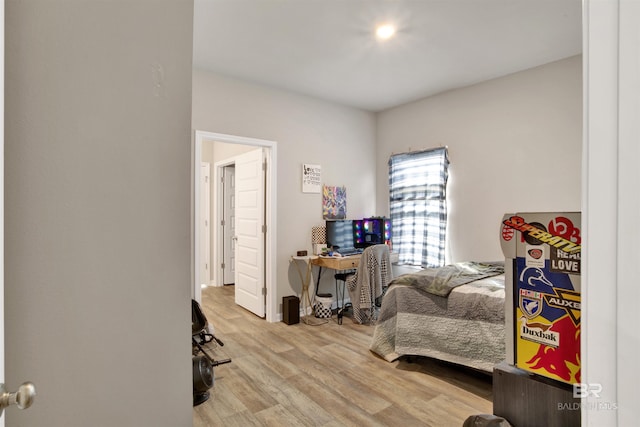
point(340, 234)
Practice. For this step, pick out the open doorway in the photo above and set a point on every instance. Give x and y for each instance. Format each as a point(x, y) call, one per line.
point(240, 144)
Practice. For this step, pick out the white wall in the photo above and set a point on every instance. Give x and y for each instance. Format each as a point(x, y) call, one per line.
point(216, 151)
point(307, 130)
point(224, 150)
point(514, 145)
point(97, 225)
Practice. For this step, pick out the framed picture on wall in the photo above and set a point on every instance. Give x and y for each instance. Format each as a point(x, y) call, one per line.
point(334, 202)
point(311, 178)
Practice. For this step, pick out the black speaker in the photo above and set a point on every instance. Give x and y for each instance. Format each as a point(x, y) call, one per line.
point(291, 310)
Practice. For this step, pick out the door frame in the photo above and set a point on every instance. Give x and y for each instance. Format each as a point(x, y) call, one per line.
point(270, 213)
point(221, 235)
point(205, 211)
point(218, 170)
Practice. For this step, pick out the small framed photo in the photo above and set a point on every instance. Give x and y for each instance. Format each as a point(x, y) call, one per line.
point(311, 178)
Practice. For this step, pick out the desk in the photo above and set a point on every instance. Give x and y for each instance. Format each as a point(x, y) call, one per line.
point(337, 263)
point(342, 263)
point(334, 263)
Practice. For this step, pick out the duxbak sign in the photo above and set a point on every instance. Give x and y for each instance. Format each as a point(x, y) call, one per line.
point(543, 251)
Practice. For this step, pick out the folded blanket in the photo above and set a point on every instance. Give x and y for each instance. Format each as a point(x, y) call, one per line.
point(442, 281)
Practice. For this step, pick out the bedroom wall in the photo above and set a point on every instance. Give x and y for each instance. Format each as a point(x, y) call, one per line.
point(514, 145)
point(307, 130)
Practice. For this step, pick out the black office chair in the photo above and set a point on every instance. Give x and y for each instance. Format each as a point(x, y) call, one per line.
point(341, 306)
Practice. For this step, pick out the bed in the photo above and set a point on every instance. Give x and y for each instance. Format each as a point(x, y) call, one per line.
point(453, 313)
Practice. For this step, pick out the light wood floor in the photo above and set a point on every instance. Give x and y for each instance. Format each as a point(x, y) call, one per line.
point(303, 375)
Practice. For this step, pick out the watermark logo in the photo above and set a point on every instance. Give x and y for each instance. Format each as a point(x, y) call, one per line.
point(581, 390)
point(584, 390)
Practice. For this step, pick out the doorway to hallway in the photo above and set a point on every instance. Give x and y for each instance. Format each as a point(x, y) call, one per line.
point(221, 153)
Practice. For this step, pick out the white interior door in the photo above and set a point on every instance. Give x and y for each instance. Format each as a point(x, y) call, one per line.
point(229, 225)
point(250, 241)
point(205, 221)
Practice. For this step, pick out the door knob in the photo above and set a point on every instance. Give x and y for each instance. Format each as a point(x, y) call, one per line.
point(23, 398)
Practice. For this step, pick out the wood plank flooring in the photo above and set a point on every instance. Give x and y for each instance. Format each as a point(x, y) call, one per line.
point(325, 375)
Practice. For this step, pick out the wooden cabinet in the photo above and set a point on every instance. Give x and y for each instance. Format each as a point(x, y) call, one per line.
point(527, 400)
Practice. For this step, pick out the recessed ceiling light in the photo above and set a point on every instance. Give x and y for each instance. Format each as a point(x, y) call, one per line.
point(385, 31)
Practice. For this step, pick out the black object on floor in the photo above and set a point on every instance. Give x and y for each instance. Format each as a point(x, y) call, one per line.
point(202, 364)
point(291, 310)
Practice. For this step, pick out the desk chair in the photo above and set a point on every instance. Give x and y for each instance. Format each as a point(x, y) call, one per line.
point(367, 284)
point(341, 306)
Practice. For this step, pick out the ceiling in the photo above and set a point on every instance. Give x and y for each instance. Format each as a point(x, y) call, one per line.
point(327, 48)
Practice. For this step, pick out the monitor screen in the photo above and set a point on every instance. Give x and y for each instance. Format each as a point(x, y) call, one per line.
point(340, 234)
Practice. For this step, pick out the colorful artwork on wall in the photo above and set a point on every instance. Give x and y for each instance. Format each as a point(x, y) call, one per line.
point(334, 202)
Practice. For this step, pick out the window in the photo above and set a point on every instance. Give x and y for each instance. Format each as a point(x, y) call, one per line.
point(417, 198)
